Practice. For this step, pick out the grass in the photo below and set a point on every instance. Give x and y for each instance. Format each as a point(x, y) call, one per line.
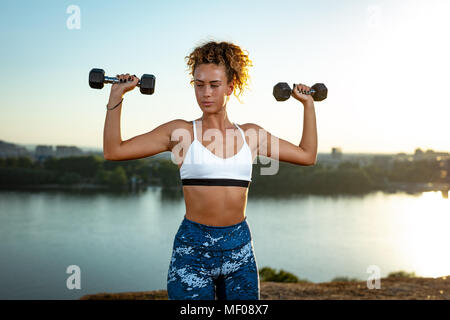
point(269, 274)
point(339, 279)
point(396, 274)
point(402, 274)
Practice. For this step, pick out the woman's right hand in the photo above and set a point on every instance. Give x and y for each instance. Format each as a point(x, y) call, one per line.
point(127, 83)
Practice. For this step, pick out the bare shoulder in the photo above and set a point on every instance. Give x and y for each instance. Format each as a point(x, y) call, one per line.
point(253, 132)
point(251, 128)
point(180, 122)
point(184, 123)
point(177, 124)
point(249, 125)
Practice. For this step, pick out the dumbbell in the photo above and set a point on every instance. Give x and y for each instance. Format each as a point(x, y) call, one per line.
point(97, 79)
point(282, 91)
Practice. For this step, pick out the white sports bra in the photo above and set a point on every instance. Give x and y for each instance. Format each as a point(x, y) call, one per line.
point(202, 167)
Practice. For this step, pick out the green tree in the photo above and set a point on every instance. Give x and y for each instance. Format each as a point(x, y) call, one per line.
point(269, 274)
point(118, 177)
point(402, 274)
point(168, 174)
point(68, 178)
point(85, 166)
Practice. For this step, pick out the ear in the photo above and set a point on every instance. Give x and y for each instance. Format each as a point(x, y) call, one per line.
point(230, 88)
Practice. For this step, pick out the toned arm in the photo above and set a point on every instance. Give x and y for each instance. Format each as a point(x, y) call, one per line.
point(286, 151)
point(147, 144)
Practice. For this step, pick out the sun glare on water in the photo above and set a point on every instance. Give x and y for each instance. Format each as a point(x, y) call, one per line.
point(425, 234)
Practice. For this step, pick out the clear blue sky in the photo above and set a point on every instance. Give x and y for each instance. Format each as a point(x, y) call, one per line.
point(385, 63)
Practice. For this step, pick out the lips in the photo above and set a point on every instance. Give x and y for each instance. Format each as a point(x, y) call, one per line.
point(207, 102)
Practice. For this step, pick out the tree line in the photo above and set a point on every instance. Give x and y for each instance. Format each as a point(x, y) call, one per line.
point(347, 177)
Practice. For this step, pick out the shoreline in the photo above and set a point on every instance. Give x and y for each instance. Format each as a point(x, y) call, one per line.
point(390, 187)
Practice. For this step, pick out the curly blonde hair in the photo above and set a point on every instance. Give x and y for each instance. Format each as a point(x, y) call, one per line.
point(232, 57)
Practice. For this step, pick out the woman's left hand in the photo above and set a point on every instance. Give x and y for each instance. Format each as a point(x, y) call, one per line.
point(299, 94)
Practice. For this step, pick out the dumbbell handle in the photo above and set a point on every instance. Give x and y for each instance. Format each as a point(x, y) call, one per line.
point(116, 80)
point(312, 91)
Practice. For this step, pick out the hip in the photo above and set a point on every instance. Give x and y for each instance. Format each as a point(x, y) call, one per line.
point(213, 238)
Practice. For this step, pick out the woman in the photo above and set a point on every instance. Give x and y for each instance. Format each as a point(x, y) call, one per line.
point(213, 254)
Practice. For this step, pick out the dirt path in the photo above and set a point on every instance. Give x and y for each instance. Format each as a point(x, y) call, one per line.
point(391, 288)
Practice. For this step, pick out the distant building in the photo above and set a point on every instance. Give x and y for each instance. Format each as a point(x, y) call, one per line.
point(43, 152)
point(11, 150)
point(418, 154)
point(67, 151)
point(430, 155)
point(401, 157)
point(336, 153)
point(330, 160)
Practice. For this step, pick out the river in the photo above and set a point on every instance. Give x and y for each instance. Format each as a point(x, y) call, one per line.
point(123, 242)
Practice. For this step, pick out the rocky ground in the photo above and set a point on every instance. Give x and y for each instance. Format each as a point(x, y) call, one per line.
point(391, 288)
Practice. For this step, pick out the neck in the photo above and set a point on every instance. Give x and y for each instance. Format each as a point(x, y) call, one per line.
point(218, 121)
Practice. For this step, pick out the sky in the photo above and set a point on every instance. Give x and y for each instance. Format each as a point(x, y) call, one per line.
point(385, 64)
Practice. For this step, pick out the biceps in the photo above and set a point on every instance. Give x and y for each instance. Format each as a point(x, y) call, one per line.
point(291, 153)
point(282, 150)
point(142, 146)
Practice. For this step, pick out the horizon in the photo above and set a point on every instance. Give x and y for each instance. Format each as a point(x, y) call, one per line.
point(88, 148)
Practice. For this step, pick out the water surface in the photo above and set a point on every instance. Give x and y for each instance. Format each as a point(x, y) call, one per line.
point(123, 242)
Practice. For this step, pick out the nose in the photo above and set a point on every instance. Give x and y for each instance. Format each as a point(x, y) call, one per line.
point(207, 93)
point(208, 90)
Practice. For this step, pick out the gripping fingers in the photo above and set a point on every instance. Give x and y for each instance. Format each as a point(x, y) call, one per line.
point(125, 77)
point(301, 88)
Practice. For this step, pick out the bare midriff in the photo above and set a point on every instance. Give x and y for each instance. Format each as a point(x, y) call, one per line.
point(214, 205)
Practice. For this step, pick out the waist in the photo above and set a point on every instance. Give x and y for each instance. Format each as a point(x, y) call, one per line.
point(215, 182)
point(213, 238)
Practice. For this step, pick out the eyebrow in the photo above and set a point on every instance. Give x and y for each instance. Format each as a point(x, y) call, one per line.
point(210, 81)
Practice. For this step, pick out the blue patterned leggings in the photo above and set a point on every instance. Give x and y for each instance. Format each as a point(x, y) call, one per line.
point(211, 263)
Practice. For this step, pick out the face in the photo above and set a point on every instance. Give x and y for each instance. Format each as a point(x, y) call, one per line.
point(208, 89)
